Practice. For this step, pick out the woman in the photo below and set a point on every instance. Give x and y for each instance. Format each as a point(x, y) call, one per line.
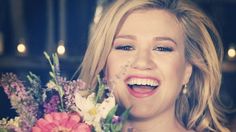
point(163, 59)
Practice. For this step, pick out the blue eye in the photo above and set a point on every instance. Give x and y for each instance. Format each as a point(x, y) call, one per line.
point(124, 47)
point(164, 49)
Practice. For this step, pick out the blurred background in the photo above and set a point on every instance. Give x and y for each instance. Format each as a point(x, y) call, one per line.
point(30, 27)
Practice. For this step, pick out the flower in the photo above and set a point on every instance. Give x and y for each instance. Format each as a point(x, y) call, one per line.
point(21, 100)
point(71, 87)
point(60, 106)
point(12, 124)
point(51, 106)
point(51, 84)
point(93, 112)
point(61, 122)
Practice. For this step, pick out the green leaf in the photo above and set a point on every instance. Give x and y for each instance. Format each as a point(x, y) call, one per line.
point(116, 127)
point(55, 59)
point(49, 60)
point(106, 127)
point(46, 55)
point(33, 78)
point(33, 75)
point(101, 89)
point(125, 115)
point(52, 75)
point(29, 78)
point(3, 130)
point(110, 115)
point(60, 90)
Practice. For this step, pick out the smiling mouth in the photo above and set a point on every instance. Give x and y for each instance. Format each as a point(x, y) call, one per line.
point(142, 87)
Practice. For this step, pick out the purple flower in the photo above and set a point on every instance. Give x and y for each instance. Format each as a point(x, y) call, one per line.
point(51, 105)
point(12, 86)
point(24, 103)
point(70, 88)
point(116, 119)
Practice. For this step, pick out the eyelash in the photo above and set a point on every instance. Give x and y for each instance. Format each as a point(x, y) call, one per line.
point(164, 49)
point(124, 47)
point(129, 48)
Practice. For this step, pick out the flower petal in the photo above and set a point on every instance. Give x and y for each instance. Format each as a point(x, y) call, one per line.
point(36, 129)
point(49, 127)
point(48, 118)
point(56, 116)
point(64, 116)
point(75, 117)
point(70, 123)
point(41, 123)
point(82, 127)
point(84, 104)
point(106, 106)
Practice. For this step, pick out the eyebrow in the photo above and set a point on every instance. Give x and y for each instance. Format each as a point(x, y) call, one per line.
point(164, 39)
point(126, 37)
point(159, 38)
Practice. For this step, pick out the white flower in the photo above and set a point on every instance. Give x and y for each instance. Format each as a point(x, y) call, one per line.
point(93, 112)
point(14, 122)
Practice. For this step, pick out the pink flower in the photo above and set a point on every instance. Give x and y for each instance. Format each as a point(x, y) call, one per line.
point(61, 122)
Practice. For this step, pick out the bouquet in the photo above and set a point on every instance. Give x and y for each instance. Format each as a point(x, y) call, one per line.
point(59, 106)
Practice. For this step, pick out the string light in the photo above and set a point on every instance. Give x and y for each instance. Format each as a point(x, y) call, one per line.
point(61, 48)
point(231, 52)
point(21, 48)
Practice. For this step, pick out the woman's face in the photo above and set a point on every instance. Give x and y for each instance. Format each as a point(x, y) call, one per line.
point(146, 66)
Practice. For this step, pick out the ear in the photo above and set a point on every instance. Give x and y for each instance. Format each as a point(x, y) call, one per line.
point(187, 72)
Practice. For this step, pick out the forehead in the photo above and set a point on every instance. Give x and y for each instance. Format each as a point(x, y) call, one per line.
point(155, 22)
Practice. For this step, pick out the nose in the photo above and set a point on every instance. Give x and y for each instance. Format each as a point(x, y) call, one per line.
point(143, 61)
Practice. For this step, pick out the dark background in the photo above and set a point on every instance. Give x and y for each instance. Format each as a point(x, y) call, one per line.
point(40, 25)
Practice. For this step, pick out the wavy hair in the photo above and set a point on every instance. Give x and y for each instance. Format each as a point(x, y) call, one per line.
point(201, 109)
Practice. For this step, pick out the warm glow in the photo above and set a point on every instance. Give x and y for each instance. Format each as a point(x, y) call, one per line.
point(1, 44)
point(232, 53)
point(61, 49)
point(21, 48)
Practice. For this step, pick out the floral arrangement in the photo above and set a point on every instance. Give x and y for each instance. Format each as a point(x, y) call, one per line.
point(59, 106)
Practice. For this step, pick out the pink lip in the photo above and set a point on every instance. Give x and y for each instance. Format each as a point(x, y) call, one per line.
point(142, 77)
point(141, 94)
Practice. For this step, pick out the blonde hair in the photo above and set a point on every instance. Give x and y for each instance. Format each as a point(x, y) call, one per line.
point(201, 110)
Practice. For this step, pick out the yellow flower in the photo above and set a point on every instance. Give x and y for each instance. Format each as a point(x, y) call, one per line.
point(12, 122)
point(93, 111)
point(51, 84)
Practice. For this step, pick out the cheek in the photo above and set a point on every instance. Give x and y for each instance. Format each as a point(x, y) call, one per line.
point(174, 69)
point(116, 66)
point(116, 70)
point(113, 71)
point(114, 75)
point(110, 65)
point(173, 73)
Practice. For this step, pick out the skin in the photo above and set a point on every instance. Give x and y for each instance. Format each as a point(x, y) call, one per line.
point(149, 45)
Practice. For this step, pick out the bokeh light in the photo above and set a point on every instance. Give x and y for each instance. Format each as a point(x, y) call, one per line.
point(232, 52)
point(21, 48)
point(61, 49)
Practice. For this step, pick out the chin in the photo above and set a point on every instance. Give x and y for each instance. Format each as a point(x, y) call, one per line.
point(141, 113)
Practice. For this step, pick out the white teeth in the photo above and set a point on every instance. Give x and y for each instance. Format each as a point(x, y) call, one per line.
point(139, 81)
